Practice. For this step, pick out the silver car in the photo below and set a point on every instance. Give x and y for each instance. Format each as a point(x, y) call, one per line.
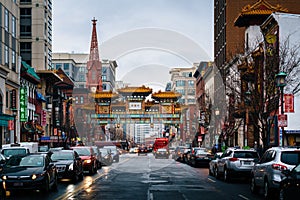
point(236, 163)
point(267, 174)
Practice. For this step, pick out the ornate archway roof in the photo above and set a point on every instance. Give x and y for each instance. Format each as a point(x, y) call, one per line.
point(104, 95)
point(257, 13)
point(143, 90)
point(166, 95)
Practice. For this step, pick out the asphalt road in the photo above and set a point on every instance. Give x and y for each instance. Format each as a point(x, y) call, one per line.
point(146, 178)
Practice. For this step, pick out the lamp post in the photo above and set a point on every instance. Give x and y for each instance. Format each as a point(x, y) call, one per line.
point(280, 82)
point(247, 104)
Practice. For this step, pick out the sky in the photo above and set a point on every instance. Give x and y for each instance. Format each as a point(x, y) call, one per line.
point(146, 38)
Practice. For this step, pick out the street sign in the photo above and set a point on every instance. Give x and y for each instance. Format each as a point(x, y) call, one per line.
point(282, 120)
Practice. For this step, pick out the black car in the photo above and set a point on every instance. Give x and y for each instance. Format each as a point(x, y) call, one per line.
point(142, 151)
point(68, 164)
point(114, 152)
point(30, 172)
point(106, 157)
point(200, 157)
point(290, 185)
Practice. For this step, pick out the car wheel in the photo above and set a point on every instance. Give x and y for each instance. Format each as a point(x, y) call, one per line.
point(217, 173)
point(282, 194)
point(46, 188)
point(267, 190)
point(55, 184)
point(75, 178)
point(253, 187)
point(81, 176)
point(210, 172)
point(226, 175)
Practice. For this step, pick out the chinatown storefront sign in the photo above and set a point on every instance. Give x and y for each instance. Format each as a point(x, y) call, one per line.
point(289, 103)
point(23, 104)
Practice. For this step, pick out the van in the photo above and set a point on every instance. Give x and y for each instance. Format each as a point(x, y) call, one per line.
point(22, 148)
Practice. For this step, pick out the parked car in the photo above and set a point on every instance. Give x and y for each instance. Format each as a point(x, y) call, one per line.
point(106, 157)
point(3, 160)
point(142, 151)
point(213, 163)
point(200, 157)
point(236, 163)
point(114, 152)
point(178, 155)
point(290, 184)
point(162, 153)
point(133, 150)
point(30, 172)
point(98, 156)
point(68, 164)
point(15, 150)
point(267, 173)
point(88, 156)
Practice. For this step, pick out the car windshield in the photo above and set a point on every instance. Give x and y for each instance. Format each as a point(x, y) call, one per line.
point(290, 157)
point(62, 156)
point(245, 154)
point(83, 151)
point(27, 161)
point(13, 152)
point(104, 151)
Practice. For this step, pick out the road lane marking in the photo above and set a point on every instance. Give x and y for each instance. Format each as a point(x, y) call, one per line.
point(211, 180)
point(243, 197)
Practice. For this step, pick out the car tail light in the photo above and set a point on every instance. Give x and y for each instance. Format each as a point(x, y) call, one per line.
point(233, 159)
point(279, 167)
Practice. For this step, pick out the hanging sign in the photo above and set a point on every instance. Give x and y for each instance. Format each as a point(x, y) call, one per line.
point(289, 103)
point(23, 104)
point(282, 120)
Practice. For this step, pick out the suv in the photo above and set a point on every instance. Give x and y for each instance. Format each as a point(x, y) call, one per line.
point(267, 172)
point(236, 163)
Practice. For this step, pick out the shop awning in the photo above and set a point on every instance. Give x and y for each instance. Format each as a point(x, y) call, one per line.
point(40, 97)
point(4, 118)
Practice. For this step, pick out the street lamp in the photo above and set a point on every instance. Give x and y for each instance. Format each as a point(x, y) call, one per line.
point(280, 82)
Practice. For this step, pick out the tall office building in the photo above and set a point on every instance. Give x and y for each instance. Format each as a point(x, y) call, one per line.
point(36, 33)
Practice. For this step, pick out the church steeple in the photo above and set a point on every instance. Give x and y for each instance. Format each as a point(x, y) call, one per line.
point(94, 65)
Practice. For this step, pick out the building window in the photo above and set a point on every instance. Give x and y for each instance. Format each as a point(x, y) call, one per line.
point(180, 83)
point(104, 87)
point(191, 83)
point(25, 22)
point(76, 100)
point(104, 78)
point(14, 26)
point(25, 51)
point(6, 20)
point(81, 99)
point(66, 66)
point(58, 65)
point(13, 61)
point(6, 56)
point(81, 77)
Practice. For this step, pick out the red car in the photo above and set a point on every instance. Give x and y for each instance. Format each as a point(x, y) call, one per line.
point(88, 157)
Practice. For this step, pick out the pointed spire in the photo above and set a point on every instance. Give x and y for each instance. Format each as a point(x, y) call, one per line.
point(94, 65)
point(94, 53)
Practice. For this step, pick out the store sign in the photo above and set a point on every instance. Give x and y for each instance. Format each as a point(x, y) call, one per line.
point(23, 104)
point(289, 103)
point(282, 120)
point(13, 99)
point(135, 105)
point(44, 118)
point(11, 125)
